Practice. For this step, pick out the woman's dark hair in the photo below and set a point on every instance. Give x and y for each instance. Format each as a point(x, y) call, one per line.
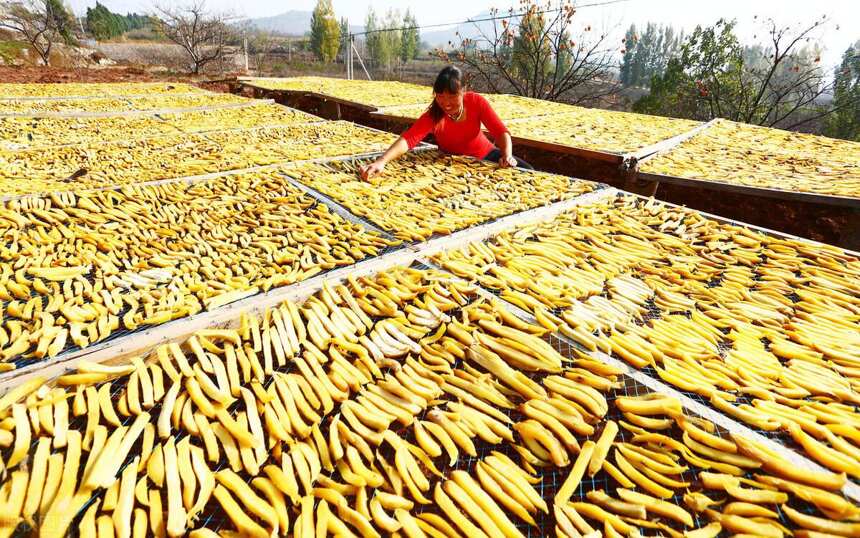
point(449, 80)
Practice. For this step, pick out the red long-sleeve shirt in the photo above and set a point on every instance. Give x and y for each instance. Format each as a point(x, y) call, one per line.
point(463, 137)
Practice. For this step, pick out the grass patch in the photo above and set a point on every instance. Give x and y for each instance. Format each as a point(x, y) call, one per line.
point(9, 50)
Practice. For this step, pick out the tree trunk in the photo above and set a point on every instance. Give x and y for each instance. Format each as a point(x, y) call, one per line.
point(44, 53)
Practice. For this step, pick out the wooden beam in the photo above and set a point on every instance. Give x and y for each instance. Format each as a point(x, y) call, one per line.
point(850, 489)
point(191, 180)
point(483, 231)
point(762, 229)
point(605, 156)
point(106, 96)
point(127, 113)
point(632, 160)
point(143, 342)
point(749, 190)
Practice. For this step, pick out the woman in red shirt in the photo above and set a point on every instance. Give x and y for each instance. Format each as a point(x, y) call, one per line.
point(455, 118)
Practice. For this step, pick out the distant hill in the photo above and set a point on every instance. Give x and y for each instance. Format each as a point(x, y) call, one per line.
point(293, 23)
point(440, 38)
point(297, 23)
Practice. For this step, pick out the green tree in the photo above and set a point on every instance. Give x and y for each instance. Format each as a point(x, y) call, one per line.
point(643, 54)
point(845, 120)
point(344, 36)
point(391, 39)
point(325, 31)
point(647, 55)
point(103, 24)
point(629, 53)
point(372, 36)
point(532, 55)
point(383, 38)
point(410, 41)
point(778, 85)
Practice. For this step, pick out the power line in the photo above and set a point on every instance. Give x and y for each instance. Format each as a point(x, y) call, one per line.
point(498, 17)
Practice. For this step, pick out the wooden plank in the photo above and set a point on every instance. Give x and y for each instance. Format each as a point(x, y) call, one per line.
point(635, 159)
point(191, 180)
point(483, 231)
point(125, 113)
point(346, 102)
point(850, 489)
point(632, 159)
point(605, 156)
point(762, 229)
point(143, 342)
point(38, 98)
point(336, 207)
point(157, 116)
point(763, 192)
point(314, 95)
point(213, 175)
point(387, 116)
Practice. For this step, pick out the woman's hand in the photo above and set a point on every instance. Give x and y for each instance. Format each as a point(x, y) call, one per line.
point(370, 170)
point(507, 161)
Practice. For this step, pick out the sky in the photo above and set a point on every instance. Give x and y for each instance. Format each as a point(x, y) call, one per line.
point(843, 30)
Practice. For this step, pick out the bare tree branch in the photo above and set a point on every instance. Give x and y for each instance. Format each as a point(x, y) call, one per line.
point(202, 34)
point(35, 21)
point(539, 51)
point(779, 83)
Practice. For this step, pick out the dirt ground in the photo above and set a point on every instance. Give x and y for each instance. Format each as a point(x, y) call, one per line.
point(41, 74)
point(25, 74)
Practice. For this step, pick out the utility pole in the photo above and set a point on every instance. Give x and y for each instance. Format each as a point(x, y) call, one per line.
point(349, 56)
point(360, 61)
point(245, 46)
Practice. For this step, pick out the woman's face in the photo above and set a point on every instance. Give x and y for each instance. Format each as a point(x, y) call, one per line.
point(451, 103)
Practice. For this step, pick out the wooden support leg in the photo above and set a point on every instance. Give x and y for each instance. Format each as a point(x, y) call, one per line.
point(637, 186)
point(330, 110)
point(850, 234)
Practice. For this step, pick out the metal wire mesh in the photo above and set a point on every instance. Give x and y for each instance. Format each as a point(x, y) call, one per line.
point(336, 207)
point(368, 220)
point(724, 346)
point(24, 361)
point(550, 478)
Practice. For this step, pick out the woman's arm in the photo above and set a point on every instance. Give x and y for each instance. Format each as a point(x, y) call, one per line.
point(499, 132)
point(506, 146)
point(408, 140)
point(398, 148)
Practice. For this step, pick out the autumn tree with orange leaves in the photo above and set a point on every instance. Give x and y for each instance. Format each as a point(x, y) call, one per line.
point(540, 50)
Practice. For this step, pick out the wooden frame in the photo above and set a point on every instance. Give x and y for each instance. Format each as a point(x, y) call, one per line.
point(764, 192)
point(851, 490)
point(118, 113)
point(668, 145)
point(141, 342)
point(632, 159)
